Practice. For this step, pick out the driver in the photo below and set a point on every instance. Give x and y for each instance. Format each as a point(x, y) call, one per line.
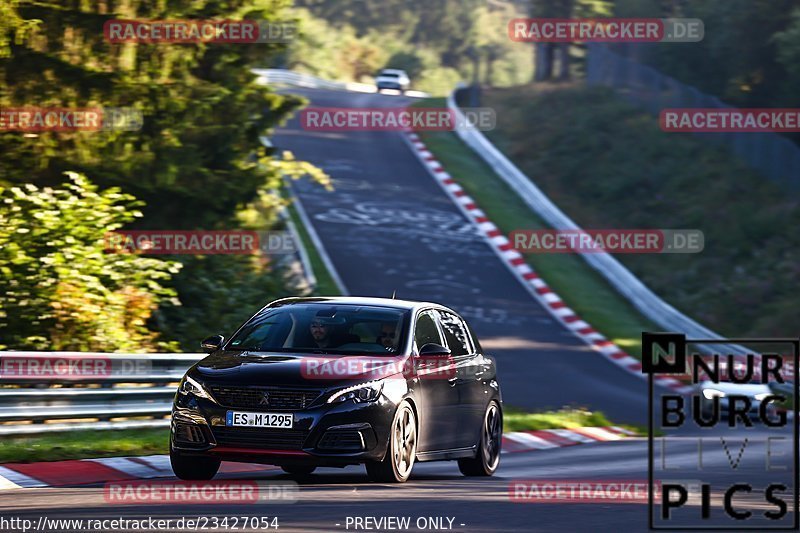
point(321, 333)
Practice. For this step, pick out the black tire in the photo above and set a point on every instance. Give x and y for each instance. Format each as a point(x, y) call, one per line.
point(297, 470)
point(487, 459)
point(193, 468)
point(402, 451)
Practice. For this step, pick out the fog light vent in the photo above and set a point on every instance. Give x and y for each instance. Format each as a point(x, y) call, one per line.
point(342, 441)
point(189, 434)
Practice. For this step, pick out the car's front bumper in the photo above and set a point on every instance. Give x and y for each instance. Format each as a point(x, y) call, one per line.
point(754, 413)
point(327, 434)
point(390, 85)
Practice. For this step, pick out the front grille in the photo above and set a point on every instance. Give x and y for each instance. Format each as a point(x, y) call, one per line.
point(277, 399)
point(260, 438)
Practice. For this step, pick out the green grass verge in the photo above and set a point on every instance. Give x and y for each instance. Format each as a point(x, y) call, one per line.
point(84, 444)
point(518, 420)
point(580, 286)
point(326, 286)
point(608, 164)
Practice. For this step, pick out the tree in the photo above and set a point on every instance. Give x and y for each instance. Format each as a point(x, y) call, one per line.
point(196, 160)
point(547, 55)
point(462, 37)
point(203, 111)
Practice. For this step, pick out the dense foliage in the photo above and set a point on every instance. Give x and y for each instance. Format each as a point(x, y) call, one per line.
point(59, 290)
point(196, 162)
point(438, 43)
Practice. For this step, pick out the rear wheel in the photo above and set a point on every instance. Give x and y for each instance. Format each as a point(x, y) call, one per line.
point(396, 466)
point(487, 459)
point(193, 468)
point(299, 470)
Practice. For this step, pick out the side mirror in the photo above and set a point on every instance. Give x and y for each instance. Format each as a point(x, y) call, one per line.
point(433, 349)
point(212, 344)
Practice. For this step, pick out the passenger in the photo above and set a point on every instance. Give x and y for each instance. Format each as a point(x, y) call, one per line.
point(388, 336)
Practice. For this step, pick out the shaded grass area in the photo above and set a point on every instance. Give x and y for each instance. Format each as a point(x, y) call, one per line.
point(84, 444)
point(607, 164)
point(580, 286)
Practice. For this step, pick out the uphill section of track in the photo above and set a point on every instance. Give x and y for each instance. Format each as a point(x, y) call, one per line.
point(388, 226)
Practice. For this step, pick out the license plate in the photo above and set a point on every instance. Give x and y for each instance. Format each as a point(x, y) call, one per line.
point(261, 420)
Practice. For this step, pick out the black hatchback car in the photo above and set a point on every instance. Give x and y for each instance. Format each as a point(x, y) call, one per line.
point(310, 382)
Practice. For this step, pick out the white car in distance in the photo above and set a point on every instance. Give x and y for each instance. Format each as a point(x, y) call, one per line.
point(390, 78)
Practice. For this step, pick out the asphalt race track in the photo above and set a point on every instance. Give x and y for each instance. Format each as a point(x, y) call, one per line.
point(330, 496)
point(388, 226)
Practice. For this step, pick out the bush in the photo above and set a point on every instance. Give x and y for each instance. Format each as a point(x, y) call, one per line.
point(59, 290)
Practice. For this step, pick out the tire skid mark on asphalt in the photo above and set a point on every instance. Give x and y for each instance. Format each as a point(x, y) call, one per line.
point(100, 470)
point(525, 274)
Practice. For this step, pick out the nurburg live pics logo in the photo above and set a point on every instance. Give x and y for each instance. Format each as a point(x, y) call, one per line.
point(745, 476)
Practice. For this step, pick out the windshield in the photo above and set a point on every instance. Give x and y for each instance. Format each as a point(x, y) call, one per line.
point(389, 74)
point(324, 328)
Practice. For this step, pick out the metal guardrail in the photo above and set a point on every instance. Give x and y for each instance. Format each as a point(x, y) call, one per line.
point(646, 301)
point(42, 392)
point(278, 76)
point(271, 75)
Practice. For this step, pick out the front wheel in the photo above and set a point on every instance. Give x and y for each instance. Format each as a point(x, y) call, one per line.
point(396, 466)
point(193, 468)
point(487, 459)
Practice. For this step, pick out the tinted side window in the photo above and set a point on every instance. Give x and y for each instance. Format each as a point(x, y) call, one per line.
point(426, 331)
point(456, 334)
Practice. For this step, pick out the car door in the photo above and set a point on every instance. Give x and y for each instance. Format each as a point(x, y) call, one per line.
point(468, 380)
point(439, 412)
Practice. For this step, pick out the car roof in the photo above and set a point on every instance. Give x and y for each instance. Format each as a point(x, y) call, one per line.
point(358, 300)
point(392, 71)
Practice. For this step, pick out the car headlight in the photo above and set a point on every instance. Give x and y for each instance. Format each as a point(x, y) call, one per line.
point(364, 392)
point(710, 394)
point(762, 396)
point(193, 387)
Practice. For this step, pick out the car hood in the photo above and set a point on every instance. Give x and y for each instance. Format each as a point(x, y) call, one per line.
point(233, 367)
point(389, 78)
point(745, 389)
